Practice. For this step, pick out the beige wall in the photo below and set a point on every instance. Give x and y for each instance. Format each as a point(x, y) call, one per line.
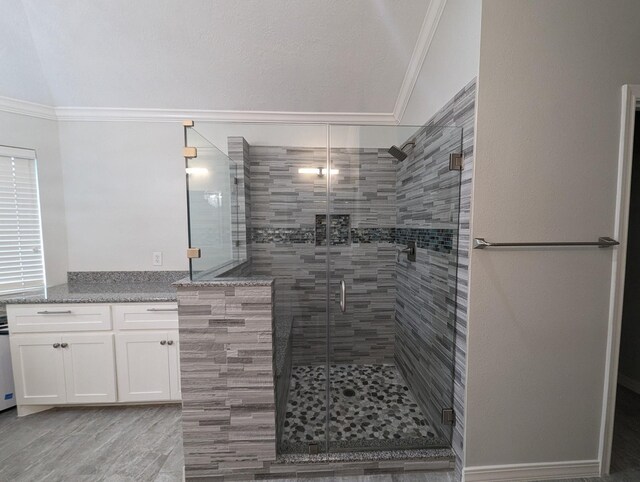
point(451, 62)
point(124, 195)
point(42, 135)
point(546, 157)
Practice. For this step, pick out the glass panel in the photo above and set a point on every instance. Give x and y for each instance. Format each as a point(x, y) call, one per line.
point(213, 208)
point(392, 343)
point(283, 188)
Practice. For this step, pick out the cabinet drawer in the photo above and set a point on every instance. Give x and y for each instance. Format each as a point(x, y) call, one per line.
point(141, 316)
point(46, 318)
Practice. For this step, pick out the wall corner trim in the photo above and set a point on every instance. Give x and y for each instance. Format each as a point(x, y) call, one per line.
point(535, 471)
point(630, 102)
point(420, 50)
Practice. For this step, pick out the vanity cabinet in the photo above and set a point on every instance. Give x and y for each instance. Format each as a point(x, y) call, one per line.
point(94, 353)
point(64, 368)
point(148, 366)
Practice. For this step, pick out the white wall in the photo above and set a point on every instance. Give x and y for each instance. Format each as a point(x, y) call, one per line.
point(451, 62)
point(546, 159)
point(124, 195)
point(42, 135)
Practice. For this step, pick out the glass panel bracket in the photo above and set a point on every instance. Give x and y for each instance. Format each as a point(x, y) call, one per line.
point(193, 253)
point(455, 161)
point(448, 416)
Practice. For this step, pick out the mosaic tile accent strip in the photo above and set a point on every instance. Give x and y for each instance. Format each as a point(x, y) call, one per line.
point(373, 235)
point(432, 239)
point(371, 407)
point(340, 229)
point(283, 235)
point(227, 374)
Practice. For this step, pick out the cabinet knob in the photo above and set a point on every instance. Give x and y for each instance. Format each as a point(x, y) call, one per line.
point(163, 342)
point(170, 342)
point(64, 345)
point(56, 345)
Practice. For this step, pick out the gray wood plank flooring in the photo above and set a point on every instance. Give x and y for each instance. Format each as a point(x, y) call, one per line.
point(111, 444)
point(122, 444)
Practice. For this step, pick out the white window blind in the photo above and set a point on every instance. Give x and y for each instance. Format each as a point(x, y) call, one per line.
point(21, 259)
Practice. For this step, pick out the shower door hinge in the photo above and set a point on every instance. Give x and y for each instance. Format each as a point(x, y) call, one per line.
point(448, 416)
point(235, 181)
point(193, 253)
point(455, 161)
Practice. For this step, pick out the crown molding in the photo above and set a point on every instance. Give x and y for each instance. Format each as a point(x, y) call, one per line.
point(107, 114)
point(86, 114)
point(31, 109)
point(425, 37)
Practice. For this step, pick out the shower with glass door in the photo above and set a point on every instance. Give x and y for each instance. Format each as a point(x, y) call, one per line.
point(358, 226)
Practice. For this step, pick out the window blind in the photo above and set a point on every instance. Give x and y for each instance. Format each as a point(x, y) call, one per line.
point(21, 258)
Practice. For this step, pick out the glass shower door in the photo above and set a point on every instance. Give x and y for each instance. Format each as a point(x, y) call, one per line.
point(392, 230)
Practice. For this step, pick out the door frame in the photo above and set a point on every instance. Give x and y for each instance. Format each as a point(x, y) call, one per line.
point(630, 103)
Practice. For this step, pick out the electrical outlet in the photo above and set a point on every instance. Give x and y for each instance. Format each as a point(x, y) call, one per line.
point(157, 258)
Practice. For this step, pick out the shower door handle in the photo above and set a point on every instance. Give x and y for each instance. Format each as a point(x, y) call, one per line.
point(343, 296)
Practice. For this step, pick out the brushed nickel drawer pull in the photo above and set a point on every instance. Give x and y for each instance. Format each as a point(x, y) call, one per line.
point(66, 312)
point(162, 309)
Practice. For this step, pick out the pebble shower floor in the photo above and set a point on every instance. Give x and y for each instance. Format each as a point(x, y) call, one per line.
point(371, 408)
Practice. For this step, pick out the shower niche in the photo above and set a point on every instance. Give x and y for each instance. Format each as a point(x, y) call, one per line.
point(363, 326)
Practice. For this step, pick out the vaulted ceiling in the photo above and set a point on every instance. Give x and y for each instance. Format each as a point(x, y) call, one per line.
point(245, 55)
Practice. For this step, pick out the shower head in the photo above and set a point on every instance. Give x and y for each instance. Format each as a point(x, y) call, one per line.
point(399, 152)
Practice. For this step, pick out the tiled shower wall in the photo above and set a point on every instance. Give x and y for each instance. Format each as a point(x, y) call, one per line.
point(285, 209)
point(238, 150)
point(432, 292)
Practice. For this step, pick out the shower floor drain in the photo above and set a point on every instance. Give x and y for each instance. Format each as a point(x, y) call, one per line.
point(347, 392)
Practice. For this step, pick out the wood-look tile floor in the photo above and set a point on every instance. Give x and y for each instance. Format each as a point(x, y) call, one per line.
point(92, 444)
point(145, 444)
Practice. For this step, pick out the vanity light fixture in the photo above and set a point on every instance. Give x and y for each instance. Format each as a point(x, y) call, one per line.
point(318, 171)
point(197, 170)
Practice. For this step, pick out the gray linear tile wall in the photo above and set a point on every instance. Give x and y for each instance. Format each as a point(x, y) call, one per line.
point(238, 150)
point(227, 373)
point(282, 200)
point(424, 349)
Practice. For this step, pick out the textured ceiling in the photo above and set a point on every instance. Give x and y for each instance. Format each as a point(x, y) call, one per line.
point(276, 55)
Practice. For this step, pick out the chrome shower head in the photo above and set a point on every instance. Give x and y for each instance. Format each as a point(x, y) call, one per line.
point(398, 152)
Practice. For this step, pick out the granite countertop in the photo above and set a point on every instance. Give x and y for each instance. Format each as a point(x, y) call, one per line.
point(247, 281)
point(114, 292)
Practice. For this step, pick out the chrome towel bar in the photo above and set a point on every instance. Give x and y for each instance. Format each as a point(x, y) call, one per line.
point(481, 243)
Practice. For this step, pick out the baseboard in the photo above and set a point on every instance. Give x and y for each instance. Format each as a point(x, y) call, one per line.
point(538, 471)
point(628, 382)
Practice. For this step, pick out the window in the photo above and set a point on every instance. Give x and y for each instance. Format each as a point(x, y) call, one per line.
point(21, 258)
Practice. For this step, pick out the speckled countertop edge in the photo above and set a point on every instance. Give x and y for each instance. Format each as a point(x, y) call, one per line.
point(249, 281)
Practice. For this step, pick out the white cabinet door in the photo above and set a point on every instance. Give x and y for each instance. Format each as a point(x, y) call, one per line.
point(174, 364)
point(143, 366)
point(89, 367)
point(38, 369)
